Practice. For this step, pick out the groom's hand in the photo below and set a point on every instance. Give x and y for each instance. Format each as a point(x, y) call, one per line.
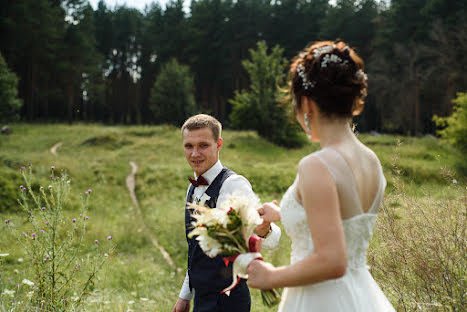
point(182, 305)
point(270, 212)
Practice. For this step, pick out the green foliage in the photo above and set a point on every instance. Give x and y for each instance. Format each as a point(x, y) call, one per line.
point(9, 103)
point(172, 98)
point(455, 126)
point(260, 108)
point(63, 275)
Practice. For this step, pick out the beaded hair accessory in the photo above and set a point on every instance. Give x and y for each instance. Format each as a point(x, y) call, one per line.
point(328, 58)
point(305, 82)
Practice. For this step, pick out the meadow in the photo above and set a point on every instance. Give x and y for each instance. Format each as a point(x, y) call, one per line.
point(418, 254)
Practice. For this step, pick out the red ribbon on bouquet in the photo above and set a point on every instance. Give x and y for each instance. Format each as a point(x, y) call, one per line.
point(254, 245)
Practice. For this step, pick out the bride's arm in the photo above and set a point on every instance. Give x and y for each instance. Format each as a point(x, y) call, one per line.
point(318, 193)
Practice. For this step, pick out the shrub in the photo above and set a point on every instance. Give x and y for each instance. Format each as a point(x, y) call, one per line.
point(455, 126)
point(261, 107)
point(9, 102)
point(172, 100)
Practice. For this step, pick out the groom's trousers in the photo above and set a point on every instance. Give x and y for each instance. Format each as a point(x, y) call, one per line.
point(238, 301)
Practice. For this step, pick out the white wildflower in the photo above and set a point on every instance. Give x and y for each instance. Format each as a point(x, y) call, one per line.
point(4, 255)
point(20, 259)
point(27, 282)
point(9, 293)
point(131, 302)
point(143, 299)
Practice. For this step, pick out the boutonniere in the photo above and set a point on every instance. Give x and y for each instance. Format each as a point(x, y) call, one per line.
point(204, 198)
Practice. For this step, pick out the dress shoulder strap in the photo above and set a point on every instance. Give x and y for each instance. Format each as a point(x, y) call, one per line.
point(349, 199)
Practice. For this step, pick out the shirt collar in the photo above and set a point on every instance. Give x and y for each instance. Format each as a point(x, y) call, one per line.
point(213, 172)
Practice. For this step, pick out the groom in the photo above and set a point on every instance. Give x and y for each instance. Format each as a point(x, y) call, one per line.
point(207, 277)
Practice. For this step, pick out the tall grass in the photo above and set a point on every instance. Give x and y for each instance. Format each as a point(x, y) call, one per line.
point(419, 255)
point(137, 276)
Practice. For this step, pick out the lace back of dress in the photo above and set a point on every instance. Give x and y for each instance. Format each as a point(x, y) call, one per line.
point(346, 185)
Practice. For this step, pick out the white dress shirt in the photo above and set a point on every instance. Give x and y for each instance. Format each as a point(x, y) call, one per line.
point(235, 183)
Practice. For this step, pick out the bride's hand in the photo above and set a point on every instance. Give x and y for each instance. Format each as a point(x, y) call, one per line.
point(270, 212)
point(259, 274)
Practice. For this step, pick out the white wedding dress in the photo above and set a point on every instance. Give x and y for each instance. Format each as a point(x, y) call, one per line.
point(356, 290)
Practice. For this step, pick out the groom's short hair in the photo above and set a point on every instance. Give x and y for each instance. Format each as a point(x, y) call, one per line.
point(202, 121)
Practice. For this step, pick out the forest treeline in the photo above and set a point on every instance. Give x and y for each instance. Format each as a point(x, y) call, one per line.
point(75, 63)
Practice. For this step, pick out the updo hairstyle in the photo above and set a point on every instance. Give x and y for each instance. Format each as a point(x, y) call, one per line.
point(331, 74)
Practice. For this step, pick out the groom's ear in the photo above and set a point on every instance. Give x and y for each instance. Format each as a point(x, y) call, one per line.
point(219, 144)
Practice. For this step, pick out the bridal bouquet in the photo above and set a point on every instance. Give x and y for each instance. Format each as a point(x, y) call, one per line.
point(228, 231)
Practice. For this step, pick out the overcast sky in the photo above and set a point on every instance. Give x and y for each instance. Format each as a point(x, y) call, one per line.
point(139, 4)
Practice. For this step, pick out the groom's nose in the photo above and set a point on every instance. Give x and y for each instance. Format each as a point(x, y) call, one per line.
point(195, 152)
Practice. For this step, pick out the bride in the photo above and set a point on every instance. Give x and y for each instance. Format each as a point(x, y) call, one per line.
point(330, 210)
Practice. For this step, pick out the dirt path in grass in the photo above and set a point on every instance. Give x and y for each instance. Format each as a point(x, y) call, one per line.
point(130, 183)
point(54, 148)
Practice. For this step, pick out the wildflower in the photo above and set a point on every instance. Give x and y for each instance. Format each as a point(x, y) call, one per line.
point(86, 217)
point(131, 302)
point(45, 259)
point(89, 190)
point(50, 186)
point(454, 181)
point(42, 231)
point(143, 299)
point(96, 241)
point(19, 260)
point(51, 177)
point(33, 235)
point(74, 220)
point(109, 237)
point(46, 222)
point(80, 214)
point(6, 221)
point(43, 208)
point(21, 186)
point(87, 193)
point(52, 167)
point(25, 234)
point(27, 282)
point(10, 293)
point(4, 255)
point(29, 212)
point(23, 167)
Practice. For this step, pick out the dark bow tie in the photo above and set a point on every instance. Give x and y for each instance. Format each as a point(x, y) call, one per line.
point(200, 181)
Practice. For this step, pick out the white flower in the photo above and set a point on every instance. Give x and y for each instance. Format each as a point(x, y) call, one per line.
point(247, 208)
point(27, 282)
point(143, 299)
point(209, 245)
point(10, 293)
point(4, 255)
point(20, 259)
point(131, 302)
point(204, 199)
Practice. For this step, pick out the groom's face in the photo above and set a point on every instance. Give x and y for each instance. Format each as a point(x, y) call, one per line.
point(201, 150)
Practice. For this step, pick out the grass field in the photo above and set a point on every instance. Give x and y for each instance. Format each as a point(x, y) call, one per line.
point(136, 276)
